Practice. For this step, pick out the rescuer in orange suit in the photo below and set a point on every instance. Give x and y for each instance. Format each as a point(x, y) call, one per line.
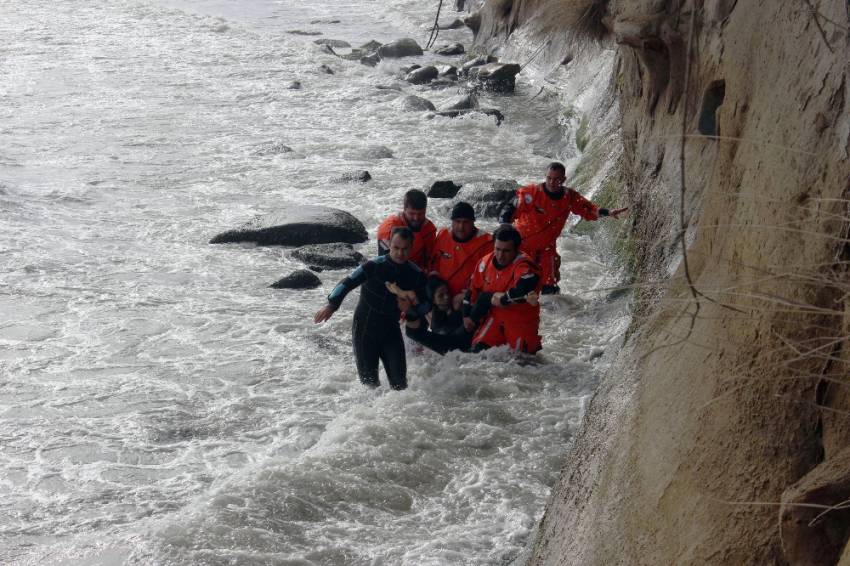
point(540, 212)
point(513, 281)
point(457, 251)
point(411, 216)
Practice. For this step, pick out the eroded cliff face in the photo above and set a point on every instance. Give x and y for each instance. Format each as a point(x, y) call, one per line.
point(720, 434)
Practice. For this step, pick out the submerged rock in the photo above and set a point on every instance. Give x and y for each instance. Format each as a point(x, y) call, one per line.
point(370, 60)
point(303, 32)
point(487, 111)
point(375, 152)
point(360, 176)
point(335, 43)
point(274, 148)
point(453, 49)
point(400, 48)
point(294, 85)
point(298, 226)
point(327, 70)
point(422, 75)
point(330, 256)
point(301, 279)
point(412, 103)
point(460, 102)
point(443, 189)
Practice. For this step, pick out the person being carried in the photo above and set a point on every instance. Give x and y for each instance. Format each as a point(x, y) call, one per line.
point(375, 330)
point(413, 217)
point(447, 331)
point(540, 212)
point(458, 249)
point(512, 282)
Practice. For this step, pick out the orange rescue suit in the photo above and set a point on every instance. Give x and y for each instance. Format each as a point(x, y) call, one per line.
point(516, 324)
point(454, 261)
point(423, 240)
point(540, 220)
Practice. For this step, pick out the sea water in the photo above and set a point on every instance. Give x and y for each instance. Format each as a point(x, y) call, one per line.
point(159, 403)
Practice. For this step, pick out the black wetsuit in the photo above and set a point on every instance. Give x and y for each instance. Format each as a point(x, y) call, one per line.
point(375, 328)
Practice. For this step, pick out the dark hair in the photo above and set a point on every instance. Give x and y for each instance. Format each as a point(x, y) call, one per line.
point(403, 231)
point(463, 210)
point(507, 233)
point(556, 166)
point(434, 282)
point(415, 199)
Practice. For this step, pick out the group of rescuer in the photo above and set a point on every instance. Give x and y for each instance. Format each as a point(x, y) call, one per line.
point(459, 288)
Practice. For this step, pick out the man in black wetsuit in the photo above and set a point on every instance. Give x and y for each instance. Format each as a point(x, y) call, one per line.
point(375, 330)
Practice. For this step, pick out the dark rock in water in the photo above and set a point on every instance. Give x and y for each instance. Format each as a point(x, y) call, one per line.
point(354, 177)
point(274, 148)
point(327, 70)
point(400, 48)
point(416, 104)
point(314, 22)
point(409, 68)
point(302, 32)
point(301, 279)
point(453, 49)
point(456, 24)
point(294, 85)
point(443, 189)
point(354, 55)
point(370, 60)
point(422, 76)
point(488, 111)
point(498, 77)
point(461, 102)
point(330, 256)
point(447, 70)
point(327, 49)
point(335, 43)
point(298, 226)
point(477, 62)
point(397, 87)
point(316, 268)
point(371, 45)
point(489, 202)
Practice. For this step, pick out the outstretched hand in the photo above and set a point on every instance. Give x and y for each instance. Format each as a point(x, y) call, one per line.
point(617, 212)
point(324, 313)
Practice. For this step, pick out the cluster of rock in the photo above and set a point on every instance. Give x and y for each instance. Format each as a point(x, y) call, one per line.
point(323, 237)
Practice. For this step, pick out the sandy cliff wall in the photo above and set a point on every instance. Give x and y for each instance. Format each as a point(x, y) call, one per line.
point(722, 434)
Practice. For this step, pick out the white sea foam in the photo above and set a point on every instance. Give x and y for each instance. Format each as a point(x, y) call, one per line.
point(160, 403)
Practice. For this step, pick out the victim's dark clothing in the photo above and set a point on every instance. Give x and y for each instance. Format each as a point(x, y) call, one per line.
point(375, 328)
point(447, 332)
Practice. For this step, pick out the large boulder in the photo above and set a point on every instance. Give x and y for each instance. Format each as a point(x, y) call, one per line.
point(412, 103)
point(330, 256)
point(446, 70)
point(301, 279)
point(400, 48)
point(443, 189)
point(422, 75)
point(499, 77)
point(298, 226)
point(453, 49)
